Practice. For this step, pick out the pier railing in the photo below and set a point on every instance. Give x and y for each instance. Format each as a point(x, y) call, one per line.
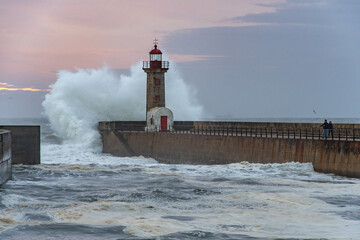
point(341, 134)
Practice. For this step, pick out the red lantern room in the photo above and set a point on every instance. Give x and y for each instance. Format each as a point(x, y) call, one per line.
point(155, 54)
point(155, 59)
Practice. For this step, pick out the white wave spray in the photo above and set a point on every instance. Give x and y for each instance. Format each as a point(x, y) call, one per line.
point(79, 100)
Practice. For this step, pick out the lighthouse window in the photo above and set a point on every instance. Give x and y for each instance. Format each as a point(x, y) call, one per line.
point(157, 81)
point(157, 98)
point(155, 57)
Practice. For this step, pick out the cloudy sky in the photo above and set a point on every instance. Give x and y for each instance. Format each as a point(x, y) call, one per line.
point(245, 58)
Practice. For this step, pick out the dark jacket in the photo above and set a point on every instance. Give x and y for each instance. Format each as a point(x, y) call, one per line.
point(330, 126)
point(325, 125)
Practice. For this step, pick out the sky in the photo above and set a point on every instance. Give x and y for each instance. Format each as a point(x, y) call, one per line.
point(244, 58)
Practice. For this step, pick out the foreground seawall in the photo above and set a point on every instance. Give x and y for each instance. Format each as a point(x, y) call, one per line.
point(25, 144)
point(5, 156)
point(328, 156)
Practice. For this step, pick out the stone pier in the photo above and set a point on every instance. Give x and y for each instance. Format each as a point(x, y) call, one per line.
point(210, 145)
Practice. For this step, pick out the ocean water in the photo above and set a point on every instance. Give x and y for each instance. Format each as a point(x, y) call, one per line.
point(80, 193)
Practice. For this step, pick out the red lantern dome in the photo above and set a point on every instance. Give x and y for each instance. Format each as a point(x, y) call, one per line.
point(155, 50)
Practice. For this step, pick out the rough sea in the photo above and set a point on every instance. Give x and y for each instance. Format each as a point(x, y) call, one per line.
point(79, 193)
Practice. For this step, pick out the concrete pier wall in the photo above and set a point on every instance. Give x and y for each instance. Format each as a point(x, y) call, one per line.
point(25, 144)
point(338, 157)
point(5, 156)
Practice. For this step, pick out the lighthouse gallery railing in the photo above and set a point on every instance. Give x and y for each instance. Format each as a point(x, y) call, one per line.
point(158, 64)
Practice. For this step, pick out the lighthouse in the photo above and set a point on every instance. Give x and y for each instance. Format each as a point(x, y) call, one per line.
point(158, 117)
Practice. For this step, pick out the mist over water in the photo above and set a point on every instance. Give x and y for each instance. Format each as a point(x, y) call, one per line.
point(79, 100)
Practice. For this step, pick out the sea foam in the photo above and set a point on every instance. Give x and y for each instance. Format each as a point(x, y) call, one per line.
point(79, 100)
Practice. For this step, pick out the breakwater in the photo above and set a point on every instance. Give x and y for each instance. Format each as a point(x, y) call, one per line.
point(25, 143)
point(5, 156)
point(230, 142)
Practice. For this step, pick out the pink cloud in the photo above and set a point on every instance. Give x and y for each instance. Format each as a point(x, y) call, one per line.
point(42, 36)
point(6, 84)
point(11, 87)
point(24, 89)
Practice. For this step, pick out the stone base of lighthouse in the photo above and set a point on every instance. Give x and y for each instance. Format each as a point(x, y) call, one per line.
point(159, 119)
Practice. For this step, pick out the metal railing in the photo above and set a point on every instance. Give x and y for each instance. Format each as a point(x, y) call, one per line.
point(341, 134)
point(155, 64)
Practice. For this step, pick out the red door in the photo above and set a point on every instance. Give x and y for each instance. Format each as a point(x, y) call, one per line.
point(163, 123)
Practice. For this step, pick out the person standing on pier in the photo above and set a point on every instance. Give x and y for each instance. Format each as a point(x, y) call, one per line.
point(325, 126)
point(331, 130)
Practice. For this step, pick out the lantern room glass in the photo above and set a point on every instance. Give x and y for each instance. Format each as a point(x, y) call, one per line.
point(155, 57)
